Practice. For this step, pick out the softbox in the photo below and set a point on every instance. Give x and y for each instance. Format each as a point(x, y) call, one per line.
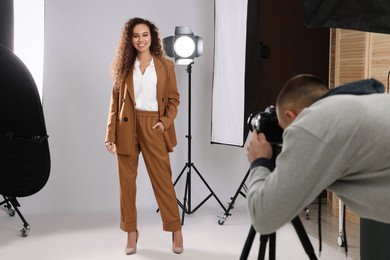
point(236, 69)
point(24, 150)
point(363, 15)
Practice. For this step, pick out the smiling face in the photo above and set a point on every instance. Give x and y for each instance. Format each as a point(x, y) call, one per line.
point(141, 38)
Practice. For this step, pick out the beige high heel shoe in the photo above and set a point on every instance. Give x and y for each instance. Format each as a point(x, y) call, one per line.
point(176, 249)
point(132, 250)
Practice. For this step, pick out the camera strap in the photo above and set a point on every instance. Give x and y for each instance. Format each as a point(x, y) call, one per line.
point(319, 225)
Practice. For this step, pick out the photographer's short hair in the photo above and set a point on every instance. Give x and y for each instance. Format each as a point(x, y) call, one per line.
point(301, 91)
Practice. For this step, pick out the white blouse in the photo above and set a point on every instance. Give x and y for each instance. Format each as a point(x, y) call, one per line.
point(145, 87)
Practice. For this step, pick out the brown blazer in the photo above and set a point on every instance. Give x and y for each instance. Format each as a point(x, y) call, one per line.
point(121, 114)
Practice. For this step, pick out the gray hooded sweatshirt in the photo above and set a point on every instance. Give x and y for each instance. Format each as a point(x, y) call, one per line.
point(340, 143)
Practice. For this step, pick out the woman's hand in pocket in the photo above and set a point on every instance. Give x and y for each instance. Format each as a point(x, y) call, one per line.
point(159, 125)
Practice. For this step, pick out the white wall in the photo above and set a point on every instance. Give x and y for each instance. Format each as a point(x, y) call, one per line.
point(80, 40)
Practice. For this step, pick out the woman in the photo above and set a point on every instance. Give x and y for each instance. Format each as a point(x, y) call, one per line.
point(143, 107)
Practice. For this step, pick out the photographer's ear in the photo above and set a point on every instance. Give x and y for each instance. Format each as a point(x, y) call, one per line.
point(288, 118)
point(290, 115)
point(285, 116)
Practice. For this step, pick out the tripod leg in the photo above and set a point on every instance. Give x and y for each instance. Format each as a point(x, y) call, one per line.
point(26, 227)
point(304, 238)
point(233, 200)
point(248, 244)
point(186, 191)
point(263, 246)
point(272, 246)
point(212, 192)
point(174, 184)
point(180, 174)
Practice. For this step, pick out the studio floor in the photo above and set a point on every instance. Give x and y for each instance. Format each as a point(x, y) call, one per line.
point(97, 236)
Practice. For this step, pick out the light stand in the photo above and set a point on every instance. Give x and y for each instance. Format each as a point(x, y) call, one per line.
point(185, 47)
point(264, 53)
point(186, 204)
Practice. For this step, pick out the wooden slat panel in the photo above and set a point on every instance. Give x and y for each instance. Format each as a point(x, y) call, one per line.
point(380, 57)
point(351, 56)
point(332, 59)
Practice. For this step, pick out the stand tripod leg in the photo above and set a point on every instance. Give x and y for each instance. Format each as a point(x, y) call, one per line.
point(304, 238)
point(186, 205)
point(263, 244)
point(12, 201)
point(272, 246)
point(211, 191)
point(186, 193)
point(248, 244)
point(300, 230)
point(262, 247)
point(182, 205)
point(180, 174)
point(221, 221)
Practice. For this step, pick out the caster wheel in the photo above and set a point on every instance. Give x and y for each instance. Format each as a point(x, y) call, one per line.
point(11, 212)
point(341, 241)
point(25, 231)
point(307, 213)
point(221, 221)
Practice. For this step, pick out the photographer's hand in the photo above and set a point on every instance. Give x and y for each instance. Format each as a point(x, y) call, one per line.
point(258, 147)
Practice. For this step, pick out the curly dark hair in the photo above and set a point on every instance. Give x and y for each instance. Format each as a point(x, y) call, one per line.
point(126, 53)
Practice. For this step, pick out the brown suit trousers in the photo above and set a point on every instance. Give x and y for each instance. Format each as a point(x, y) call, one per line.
point(151, 143)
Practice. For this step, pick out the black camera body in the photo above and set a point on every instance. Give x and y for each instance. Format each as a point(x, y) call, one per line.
point(266, 122)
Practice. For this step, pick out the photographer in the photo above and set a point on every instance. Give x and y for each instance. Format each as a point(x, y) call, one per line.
point(337, 140)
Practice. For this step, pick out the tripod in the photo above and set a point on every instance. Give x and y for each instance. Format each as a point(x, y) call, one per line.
point(186, 204)
point(296, 222)
point(299, 229)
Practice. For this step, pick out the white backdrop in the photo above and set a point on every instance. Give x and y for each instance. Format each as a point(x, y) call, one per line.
point(80, 40)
